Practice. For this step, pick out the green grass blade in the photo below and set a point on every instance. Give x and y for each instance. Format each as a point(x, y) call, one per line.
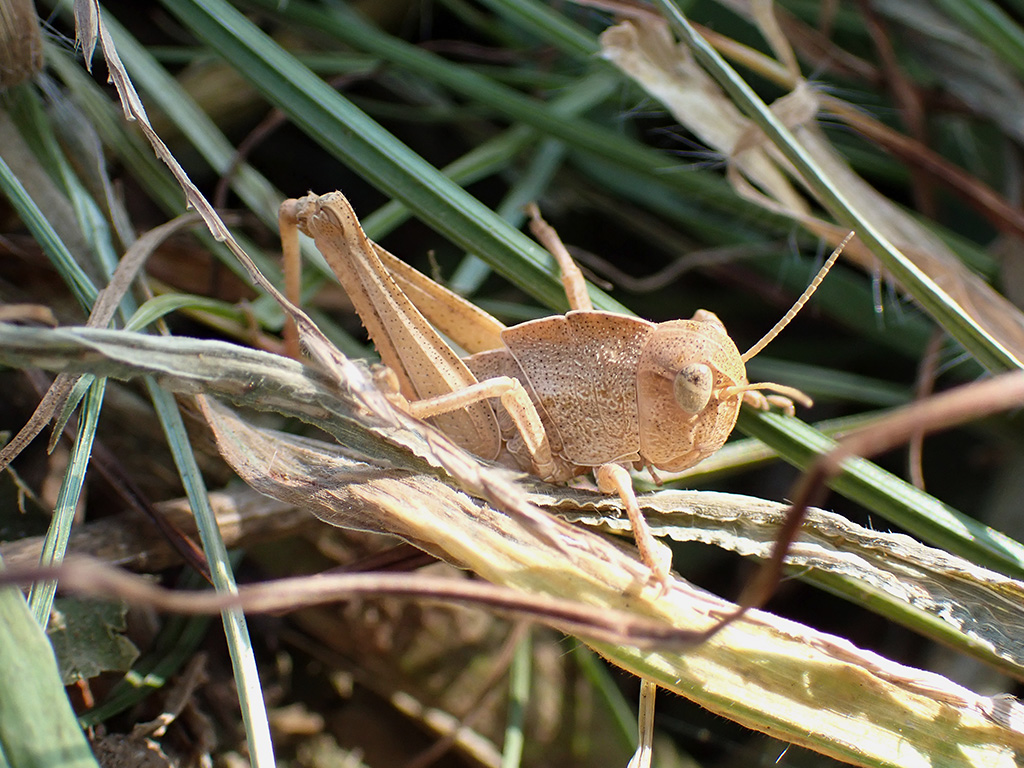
point(33, 218)
point(895, 499)
point(529, 187)
point(520, 677)
point(489, 157)
point(547, 23)
point(38, 728)
point(578, 134)
point(55, 545)
point(164, 91)
point(161, 306)
point(992, 26)
point(180, 637)
point(243, 660)
point(610, 694)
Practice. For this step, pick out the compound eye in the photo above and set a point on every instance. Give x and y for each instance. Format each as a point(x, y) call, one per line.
point(692, 387)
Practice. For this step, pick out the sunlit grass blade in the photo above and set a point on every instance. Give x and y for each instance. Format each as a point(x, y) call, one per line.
point(41, 595)
point(247, 679)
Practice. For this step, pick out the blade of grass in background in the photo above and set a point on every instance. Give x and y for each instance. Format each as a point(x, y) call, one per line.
point(41, 595)
point(895, 499)
point(992, 25)
point(243, 659)
point(79, 283)
point(578, 134)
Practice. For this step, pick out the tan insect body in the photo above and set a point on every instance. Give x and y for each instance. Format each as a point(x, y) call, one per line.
point(605, 387)
point(588, 390)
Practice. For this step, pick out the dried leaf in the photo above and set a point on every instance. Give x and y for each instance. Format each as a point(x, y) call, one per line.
point(805, 676)
point(669, 73)
point(87, 25)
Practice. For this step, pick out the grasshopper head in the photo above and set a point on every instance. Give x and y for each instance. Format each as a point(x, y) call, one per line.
point(689, 387)
point(691, 381)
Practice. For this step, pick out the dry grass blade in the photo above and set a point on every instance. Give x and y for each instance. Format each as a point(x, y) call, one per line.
point(930, 580)
point(93, 579)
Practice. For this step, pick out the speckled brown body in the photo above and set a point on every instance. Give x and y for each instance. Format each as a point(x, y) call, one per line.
point(557, 397)
point(603, 385)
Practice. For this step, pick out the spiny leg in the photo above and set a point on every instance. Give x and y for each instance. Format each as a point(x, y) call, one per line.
point(614, 479)
point(572, 279)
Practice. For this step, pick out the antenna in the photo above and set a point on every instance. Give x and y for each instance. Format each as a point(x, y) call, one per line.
point(808, 292)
